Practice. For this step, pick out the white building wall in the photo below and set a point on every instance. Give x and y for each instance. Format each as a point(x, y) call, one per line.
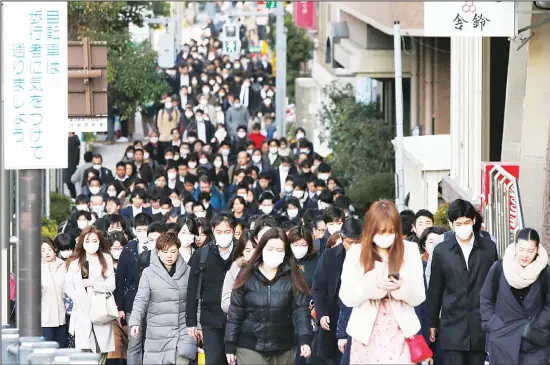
point(466, 114)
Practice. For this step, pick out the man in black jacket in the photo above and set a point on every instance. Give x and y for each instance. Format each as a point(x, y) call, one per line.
point(207, 282)
point(459, 267)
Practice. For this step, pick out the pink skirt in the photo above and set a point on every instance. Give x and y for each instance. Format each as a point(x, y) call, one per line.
point(387, 343)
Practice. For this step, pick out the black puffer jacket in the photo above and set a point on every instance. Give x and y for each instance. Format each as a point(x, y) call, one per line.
point(263, 315)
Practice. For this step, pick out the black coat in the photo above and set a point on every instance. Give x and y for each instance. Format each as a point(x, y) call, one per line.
point(326, 285)
point(505, 319)
point(105, 175)
point(126, 277)
point(454, 292)
point(307, 265)
point(268, 315)
point(211, 289)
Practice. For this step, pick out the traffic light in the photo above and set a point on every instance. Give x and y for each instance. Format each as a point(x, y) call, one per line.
point(231, 47)
point(231, 40)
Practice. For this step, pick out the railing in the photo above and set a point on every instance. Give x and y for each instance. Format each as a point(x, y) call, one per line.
point(34, 350)
point(503, 214)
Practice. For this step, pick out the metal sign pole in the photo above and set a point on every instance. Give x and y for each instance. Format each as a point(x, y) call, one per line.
point(399, 155)
point(280, 77)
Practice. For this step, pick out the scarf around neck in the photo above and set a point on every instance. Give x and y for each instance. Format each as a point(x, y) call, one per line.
point(521, 277)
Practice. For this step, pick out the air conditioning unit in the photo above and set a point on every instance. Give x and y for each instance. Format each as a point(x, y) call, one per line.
point(542, 4)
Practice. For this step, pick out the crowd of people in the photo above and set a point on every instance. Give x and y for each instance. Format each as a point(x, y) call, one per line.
point(218, 237)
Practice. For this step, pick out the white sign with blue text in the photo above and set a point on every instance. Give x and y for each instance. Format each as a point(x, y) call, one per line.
point(469, 19)
point(35, 82)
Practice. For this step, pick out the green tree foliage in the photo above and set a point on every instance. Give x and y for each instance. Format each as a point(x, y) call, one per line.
point(299, 50)
point(132, 76)
point(363, 155)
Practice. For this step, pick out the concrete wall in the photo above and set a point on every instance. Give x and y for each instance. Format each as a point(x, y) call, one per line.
point(442, 91)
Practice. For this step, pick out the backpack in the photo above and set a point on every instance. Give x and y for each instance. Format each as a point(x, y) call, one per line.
point(144, 260)
point(203, 257)
point(498, 273)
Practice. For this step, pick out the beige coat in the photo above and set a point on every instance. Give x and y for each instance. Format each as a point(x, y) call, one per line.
point(165, 125)
point(359, 291)
point(53, 280)
point(229, 281)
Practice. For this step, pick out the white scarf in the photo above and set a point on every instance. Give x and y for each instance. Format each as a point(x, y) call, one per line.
point(520, 277)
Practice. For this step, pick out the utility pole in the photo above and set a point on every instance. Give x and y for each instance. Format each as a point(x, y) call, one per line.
point(280, 76)
point(399, 153)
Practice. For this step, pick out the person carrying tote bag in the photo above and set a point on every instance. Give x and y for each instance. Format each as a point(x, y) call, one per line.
point(90, 272)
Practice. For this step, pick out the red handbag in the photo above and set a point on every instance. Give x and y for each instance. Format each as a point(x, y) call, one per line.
point(419, 349)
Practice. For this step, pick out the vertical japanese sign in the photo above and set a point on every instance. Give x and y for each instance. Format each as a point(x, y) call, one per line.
point(469, 19)
point(35, 81)
point(305, 14)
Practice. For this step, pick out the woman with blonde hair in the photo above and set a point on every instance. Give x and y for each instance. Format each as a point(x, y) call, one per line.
point(90, 272)
point(382, 280)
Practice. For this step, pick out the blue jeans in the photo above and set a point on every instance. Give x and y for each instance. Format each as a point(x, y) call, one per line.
point(58, 334)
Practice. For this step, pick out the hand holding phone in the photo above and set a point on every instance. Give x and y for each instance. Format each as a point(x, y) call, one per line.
point(395, 276)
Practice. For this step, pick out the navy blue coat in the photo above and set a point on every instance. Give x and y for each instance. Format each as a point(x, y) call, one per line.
point(505, 320)
point(326, 285)
point(128, 213)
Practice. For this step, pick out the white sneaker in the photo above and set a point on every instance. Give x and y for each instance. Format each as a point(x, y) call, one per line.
point(122, 139)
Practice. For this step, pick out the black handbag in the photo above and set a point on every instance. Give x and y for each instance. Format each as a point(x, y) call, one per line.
point(534, 334)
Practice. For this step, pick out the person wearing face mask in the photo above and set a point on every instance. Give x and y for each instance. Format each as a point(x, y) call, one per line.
point(135, 257)
point(208, 268)
point(104, 174)
point(334, 219)
point(323, 171)
point(52, 282)
point(236, 116)
point(83, 220)
point(117, 241)
point(516, 290)
point(90, 270)
point(270, 297)
point(160, 302)
point(282, 173)
point(97, 205)
point(203, 129)
point(465, 257)
point(388, 272)
point(187, 236)
point(243, 252)
point(167, 120)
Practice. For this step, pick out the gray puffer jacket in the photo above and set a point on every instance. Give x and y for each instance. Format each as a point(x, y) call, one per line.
point(163, 299)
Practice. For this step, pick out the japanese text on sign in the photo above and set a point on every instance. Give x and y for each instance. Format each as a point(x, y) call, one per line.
point(35, 67)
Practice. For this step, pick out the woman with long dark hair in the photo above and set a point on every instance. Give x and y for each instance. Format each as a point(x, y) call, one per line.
point(187, 236)
point(205, 232)
point(269, 307)
point(382, 280)
point(90, 271)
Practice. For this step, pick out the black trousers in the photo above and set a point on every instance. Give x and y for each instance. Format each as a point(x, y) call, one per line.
point(58, 334)
point(451, 357)
point(214, 345)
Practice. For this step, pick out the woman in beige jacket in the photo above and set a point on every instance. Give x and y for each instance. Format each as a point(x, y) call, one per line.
point(241, 256)
point(53, 308)
point(167, 120)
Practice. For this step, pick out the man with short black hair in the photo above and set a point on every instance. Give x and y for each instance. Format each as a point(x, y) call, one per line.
point(422, 220)
point(334, 219)
point(459, 267)
point(217, 199)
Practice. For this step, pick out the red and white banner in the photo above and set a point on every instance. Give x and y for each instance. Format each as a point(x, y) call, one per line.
point(305, 14)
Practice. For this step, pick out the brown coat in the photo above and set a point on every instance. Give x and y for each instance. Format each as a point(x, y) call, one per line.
point(121, 342)
point(165, 125)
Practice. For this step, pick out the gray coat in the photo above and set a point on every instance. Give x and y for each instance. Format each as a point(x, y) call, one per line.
point(234, 118)
point(505, 319)
point(163, 299)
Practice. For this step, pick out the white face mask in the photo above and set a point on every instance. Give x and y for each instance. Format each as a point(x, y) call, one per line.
point(141, 237)
point(299, 252)
point(225, 152)
point(223, 240)
point(272, 259)
point(188, 114)
point(65, 254)
point(464, 232)
point(241, 134)
point(306, 151)
point(130, 155)
point(323, 205)
point(292, 213)
point(186, 239)
point(154, 139)
point(299, 136)
point(98, 208)
point(203, 161)
point(200, 214)
point(94, 190)
point(284, 152)
point(192, 165)
point(289, 189)
point(116, 254)
point(266, 209)
point(273, 150)
point(256, 159)
point(333, 228)
point(168, 105)
point(172, 175)
point(82, 224)
point(298, 194)
point(83, 207)
point(324, 176)
point(91, 247)
point(244, 196)
point(383, 240)
point(191, 139)
point(218, 164)
point(97, 167)
point(111, 193)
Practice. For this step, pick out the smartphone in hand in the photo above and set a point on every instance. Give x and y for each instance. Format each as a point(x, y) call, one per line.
point(395, 276)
